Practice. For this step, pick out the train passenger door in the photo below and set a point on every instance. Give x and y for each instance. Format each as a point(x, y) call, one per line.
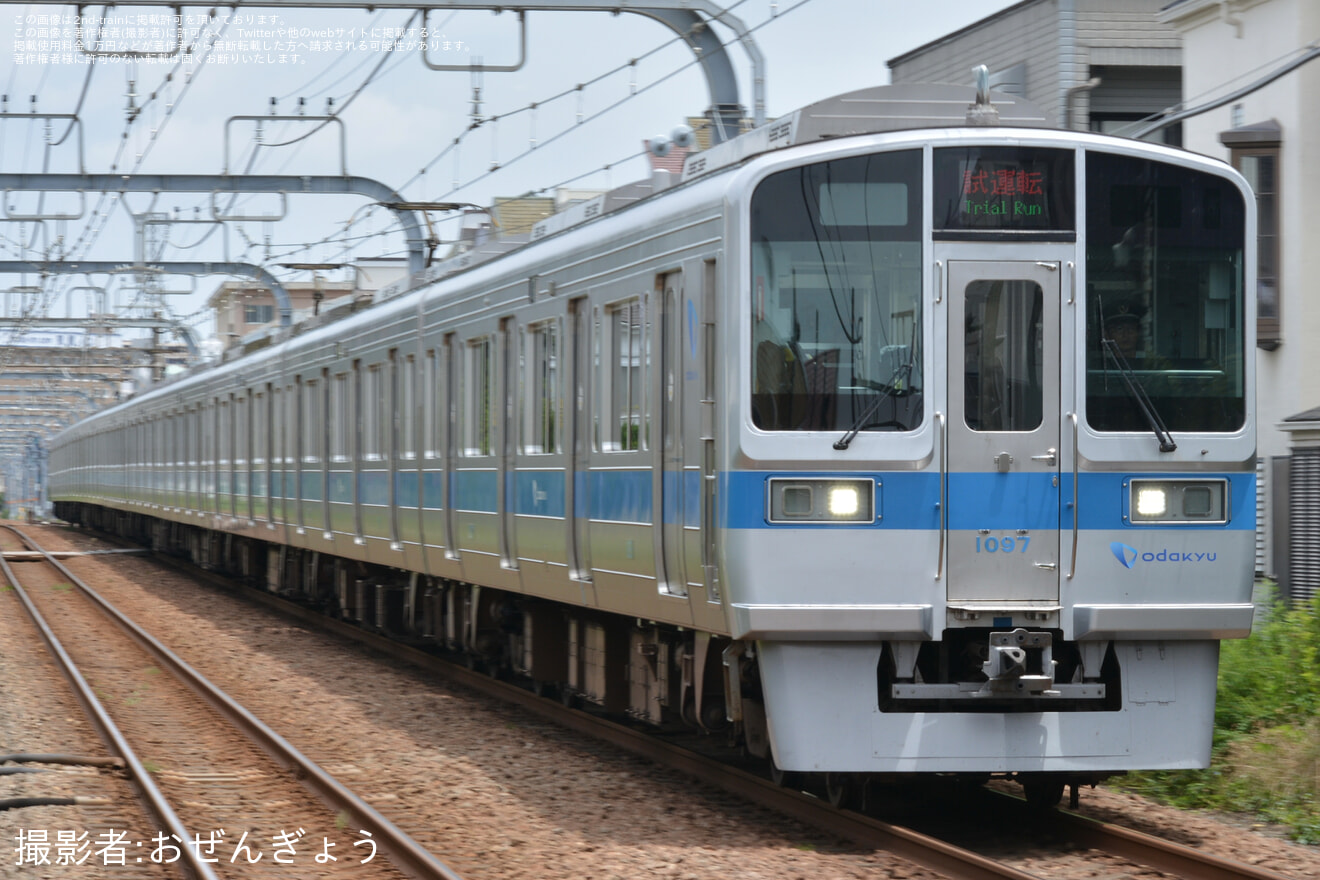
point(670, 482)
point(577, 500)
point(1003, 433)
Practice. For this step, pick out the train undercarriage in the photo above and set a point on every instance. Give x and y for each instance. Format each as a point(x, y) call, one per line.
point(660, 675)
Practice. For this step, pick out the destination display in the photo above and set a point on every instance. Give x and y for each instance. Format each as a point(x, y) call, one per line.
point(1004, 190)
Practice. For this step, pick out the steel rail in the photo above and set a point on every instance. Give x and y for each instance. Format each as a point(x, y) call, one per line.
point(404, 852)
point(1164, 855)
point(1138, 847)
point(936, 855)
point(1143, 849)
point(109, 732)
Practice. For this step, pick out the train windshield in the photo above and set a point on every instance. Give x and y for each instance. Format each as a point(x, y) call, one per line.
point(1164, 286)
point(836, 296)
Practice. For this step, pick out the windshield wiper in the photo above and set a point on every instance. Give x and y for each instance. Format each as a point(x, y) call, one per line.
point(890, 389)
point(1138, 393)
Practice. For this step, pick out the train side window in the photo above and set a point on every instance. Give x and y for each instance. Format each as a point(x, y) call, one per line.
point(543, 412)
point(478, 405)
point(625, 355)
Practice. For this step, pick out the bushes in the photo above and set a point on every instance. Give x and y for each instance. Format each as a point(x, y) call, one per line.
point(1266, 757)
point(1271, 678)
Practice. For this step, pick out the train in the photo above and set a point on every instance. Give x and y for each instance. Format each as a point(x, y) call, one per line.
point(905, 434)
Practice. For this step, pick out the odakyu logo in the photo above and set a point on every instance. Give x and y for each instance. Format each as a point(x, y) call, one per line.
point(1128, 556)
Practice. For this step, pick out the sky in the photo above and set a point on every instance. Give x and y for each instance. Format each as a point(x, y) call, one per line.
point(400, 119)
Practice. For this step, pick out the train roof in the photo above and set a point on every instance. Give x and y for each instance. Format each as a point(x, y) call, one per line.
point(866, 111)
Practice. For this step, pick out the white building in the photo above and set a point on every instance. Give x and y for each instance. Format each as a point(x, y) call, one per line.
point(1269, 133)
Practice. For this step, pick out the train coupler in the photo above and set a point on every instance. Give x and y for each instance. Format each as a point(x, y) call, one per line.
point(1020, 661)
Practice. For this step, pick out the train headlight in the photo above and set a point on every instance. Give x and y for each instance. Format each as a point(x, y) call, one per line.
point(844, 501)
point(821, 500)
point(1178, 501)
point(1152, 502)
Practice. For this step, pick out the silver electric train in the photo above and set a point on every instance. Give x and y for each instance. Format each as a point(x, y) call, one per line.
point(905, 434)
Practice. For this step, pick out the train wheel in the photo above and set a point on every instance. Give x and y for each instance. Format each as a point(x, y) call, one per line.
point(843, 790)
point(783, 778)
point(1042, 794)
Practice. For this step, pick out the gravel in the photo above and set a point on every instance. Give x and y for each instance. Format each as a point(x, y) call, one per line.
point(497, 794)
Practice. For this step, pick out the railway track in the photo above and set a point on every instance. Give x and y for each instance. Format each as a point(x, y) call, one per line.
point(197, 777)
point(927, 850)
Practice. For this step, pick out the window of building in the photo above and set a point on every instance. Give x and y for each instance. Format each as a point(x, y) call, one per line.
point(254, 313)
point(1255, 152)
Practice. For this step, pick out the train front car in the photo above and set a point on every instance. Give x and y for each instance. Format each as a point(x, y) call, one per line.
point(990, 497)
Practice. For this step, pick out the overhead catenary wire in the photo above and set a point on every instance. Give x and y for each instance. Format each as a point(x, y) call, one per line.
point(92, 230)
point(56, 284)
point(634, 91)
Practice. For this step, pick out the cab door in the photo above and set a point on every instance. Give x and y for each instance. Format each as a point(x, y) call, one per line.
point(1003, 433)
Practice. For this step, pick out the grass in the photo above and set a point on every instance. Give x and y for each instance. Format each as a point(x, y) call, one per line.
point(1266, 755)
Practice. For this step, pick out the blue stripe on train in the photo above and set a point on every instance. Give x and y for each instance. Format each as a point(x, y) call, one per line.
point(978, 501)
point(905, 500)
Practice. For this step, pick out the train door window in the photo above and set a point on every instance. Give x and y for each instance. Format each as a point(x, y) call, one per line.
point(449, 405)
point(208, 435)
point(382, 402)
point(598, 381)
point(370, 413)
point(356, 395)
point(478, 391)
point(312, 422)
point(276, 424)
point(290, 418)
point(543, 412)
point(241, 435)
point(626, 354)
point(1003, 346)
point(406, 407)
point(339, 421)
point(260, 448)
point(225, 436)
point(243, 451)
point(431, 412)
point(181, 465)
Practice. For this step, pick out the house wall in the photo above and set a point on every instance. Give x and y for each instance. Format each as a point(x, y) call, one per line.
point(1226, 47)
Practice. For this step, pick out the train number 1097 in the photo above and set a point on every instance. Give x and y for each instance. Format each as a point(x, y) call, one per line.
point(1006, 544)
